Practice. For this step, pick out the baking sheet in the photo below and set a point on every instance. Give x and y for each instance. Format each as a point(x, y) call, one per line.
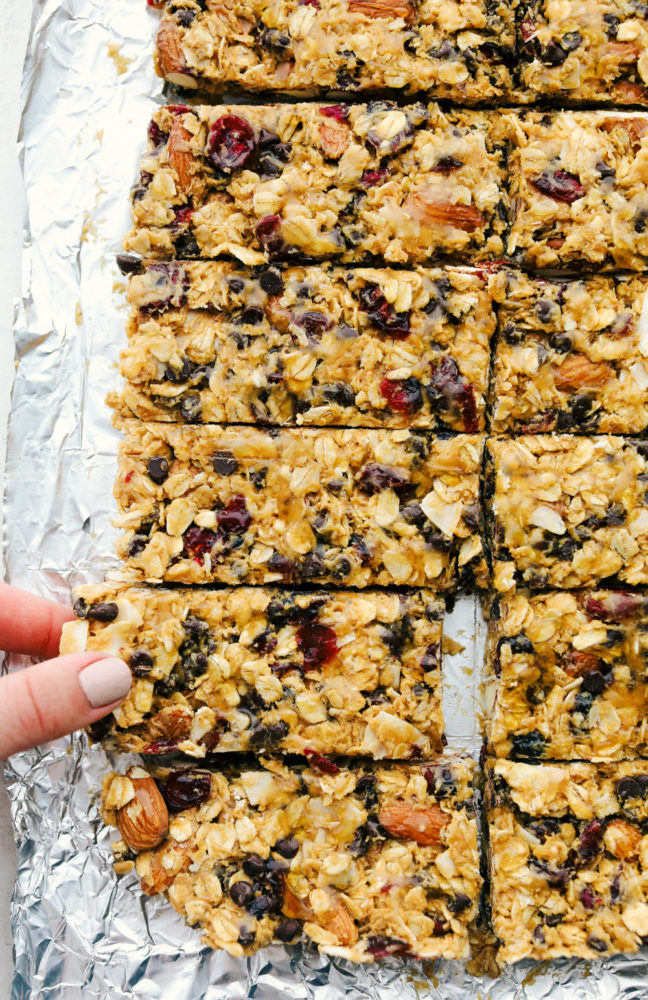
point(79, 931)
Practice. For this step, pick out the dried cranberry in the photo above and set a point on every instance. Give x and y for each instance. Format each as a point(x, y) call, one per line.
point(446, 165)
point(268, 233)
point(338, 111)
point(157, 469)
point(447, 389)
point(372, 177)
point(198, 541)
point(375, 477)
point(320, 764)
point(156, 136)
point(231, 142)
point(590, 840)
point(234, 518)
point(317, 642)
point(382, 313)
point(187, 789)
point(559, 185)
point(403, 394)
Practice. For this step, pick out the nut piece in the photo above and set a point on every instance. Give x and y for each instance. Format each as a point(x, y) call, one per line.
point(339, 921)
point(622, 839)
point(422, 825)
point(426, 206)
point(180, 155)
point(577, 371)
point(382, 8)
point(144, 821)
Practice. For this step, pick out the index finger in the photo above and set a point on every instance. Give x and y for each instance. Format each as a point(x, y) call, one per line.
point(30, 624)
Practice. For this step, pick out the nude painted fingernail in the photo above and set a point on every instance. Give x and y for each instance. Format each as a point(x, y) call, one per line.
point(105, 681)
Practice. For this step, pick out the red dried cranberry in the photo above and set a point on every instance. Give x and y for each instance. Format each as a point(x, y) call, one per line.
point(231, 142)
point(187, 789)
point(446, 165)
point(317, 642)
point(372, 177)
point(198, 541)
point(613, 607)
point(234, 518)
point(375, 477)
point(338, 111)
point(268, 233)
point(382, 313)
point(559, 185)
point(403, 394)
point(320, 764)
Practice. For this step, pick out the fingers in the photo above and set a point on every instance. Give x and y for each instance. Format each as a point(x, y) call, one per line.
point(54, 698)
point(30, 624)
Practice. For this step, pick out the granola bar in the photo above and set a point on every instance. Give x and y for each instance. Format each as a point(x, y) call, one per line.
point(447, 49)
point(571, 355)
point(241, 505)
point(567, 511)
point(584, 50)
point(569, 674)
point(255, 668)
point(578, 181)
point(568, 858)
point(215, 342)
point(366, 863)
point(349, 182)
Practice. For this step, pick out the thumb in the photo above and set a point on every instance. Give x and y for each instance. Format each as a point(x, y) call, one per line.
point(58, 696)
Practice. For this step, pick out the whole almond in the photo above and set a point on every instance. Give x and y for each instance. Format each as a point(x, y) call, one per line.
point(143, 822)
point(406, 822)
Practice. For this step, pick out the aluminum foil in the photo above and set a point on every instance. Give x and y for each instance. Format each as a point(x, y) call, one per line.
point(79, 931)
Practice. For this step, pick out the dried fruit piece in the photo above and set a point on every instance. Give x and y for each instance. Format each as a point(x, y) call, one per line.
point(143, 822)
point(406, 822)
point(577, 370)
point(231, 143)
point(383, 8)
point(426, 206)
point(180, 155)
point(559, 185)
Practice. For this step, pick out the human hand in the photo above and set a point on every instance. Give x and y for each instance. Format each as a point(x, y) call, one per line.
point(60, 695)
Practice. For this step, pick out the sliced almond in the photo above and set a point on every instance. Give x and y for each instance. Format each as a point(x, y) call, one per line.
point(180, 155)
point(577, 370)
point(334, 139)
point(426, 206)
point(143, 822)
point(406, 822)
point(383, 8)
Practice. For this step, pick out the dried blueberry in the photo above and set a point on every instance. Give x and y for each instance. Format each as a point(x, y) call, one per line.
point(224, 463)
point(157, 469)
point(141, 662)
point(104, 611)
point(231, 143)
point(187, 789)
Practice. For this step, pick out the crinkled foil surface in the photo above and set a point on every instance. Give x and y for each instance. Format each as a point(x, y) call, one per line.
point(79, 931)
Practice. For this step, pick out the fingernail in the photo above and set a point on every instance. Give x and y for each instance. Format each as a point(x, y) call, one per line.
point(105, 681)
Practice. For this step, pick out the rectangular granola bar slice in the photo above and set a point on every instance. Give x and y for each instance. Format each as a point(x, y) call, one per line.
point(255, 668)
point(578, 182)
point(568, 858)
point(242, 505)
point(584, 50)
point(447, 49)
point(567, 511)
point(569, 675)
point(366, 863)
point(215, 342)
point(348, 182)
point(571, 355)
